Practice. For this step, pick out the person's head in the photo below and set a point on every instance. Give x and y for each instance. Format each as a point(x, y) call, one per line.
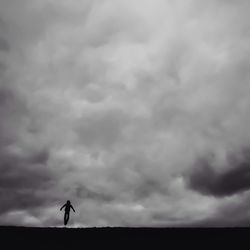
point(68, 202)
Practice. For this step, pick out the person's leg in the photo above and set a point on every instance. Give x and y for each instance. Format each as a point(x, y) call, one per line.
point(65, 219)
point(68, 218)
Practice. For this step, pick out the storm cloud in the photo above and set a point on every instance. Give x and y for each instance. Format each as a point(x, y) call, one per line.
point(207, 180)
point(137, 111)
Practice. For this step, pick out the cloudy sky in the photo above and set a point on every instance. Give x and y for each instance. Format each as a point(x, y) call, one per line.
point(138, 111)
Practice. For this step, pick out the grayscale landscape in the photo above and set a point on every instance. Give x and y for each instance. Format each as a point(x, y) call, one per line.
point(135, 111)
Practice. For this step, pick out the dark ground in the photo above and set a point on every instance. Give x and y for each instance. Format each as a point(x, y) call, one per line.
point(128, 238)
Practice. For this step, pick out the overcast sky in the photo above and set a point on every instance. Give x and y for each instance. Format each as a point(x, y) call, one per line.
point(138, 111)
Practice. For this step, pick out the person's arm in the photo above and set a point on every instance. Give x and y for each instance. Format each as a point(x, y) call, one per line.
point(62, 207)
point(72, 208)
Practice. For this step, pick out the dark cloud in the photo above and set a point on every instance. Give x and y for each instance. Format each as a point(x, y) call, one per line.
point(2, 68)
point(24, 172)
point(4, 44)
point(208, 180)
point(21, 179)
point(5, 96)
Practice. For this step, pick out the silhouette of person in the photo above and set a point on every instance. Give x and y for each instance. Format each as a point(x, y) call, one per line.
point(67, 206)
